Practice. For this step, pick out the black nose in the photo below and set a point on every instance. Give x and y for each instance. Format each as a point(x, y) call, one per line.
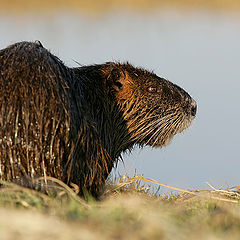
point(193, 108)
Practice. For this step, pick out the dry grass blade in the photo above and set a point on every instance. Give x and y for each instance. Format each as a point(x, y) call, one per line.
point(229, 193)
point(65, 188)
point(139, 177)
point(225, 195)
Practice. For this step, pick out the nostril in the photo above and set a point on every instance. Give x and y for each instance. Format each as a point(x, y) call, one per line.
point(193, 108)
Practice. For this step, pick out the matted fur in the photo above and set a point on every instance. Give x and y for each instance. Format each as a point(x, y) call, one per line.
point(74, 123)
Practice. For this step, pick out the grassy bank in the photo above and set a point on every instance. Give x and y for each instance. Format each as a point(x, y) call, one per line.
point(102, 6)
point(126, 211)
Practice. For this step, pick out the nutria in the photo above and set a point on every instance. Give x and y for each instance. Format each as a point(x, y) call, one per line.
point(74, 123)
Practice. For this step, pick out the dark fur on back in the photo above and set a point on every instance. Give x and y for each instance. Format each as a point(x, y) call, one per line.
point(74, 123)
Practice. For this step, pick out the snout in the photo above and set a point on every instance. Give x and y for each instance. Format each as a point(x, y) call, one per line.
point(193, 108)
point(190, 107)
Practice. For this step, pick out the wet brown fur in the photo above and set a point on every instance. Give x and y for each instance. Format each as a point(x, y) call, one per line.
point(74, 123)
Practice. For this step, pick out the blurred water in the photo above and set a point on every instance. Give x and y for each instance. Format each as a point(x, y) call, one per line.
point(200, 51)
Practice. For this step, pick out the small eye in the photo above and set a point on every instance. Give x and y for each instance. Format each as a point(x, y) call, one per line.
point(152, 89)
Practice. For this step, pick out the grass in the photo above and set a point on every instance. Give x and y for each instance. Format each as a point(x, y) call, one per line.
point(127, 210)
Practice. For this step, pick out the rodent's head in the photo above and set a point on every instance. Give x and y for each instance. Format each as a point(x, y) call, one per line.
point(154, 108)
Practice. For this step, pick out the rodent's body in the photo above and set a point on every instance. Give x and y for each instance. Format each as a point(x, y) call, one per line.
point(74, 123)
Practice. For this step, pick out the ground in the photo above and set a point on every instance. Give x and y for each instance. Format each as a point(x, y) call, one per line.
point(127, 210)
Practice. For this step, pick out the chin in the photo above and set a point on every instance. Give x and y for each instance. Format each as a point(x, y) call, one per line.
point(160, 142)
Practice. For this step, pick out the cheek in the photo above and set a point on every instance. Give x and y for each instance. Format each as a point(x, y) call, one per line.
point(151, 99)
point(125, 94)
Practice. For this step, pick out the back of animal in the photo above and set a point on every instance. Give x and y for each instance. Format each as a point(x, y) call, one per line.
point(33, 86)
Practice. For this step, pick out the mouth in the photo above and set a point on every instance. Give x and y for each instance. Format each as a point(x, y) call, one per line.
point(158, 130)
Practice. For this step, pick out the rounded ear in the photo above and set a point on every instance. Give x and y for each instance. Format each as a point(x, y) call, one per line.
point(115, 76)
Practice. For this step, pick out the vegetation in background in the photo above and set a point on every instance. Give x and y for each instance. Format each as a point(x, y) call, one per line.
point(102, 6)
point(127, 210)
